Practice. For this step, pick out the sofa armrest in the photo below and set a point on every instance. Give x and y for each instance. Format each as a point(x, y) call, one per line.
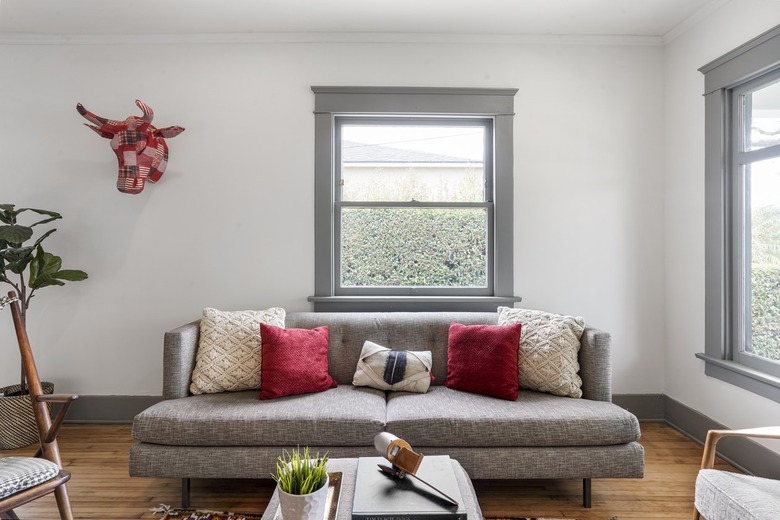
point(596, 364)
point(179, 349)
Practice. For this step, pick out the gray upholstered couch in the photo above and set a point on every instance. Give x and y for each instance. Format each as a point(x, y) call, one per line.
point(539, 436)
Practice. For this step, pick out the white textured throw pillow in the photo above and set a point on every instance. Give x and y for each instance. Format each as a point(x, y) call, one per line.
point(397, 370)
point(549, 344)
point(229, 352)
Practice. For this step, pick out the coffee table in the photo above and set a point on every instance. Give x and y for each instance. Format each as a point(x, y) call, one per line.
point(348, 469)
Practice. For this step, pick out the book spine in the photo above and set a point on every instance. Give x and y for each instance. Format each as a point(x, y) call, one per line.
point(420, 516)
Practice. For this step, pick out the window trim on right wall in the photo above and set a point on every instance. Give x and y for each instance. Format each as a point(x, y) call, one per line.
point(754, 59)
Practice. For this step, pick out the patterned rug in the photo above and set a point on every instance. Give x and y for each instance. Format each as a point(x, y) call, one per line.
point(170, 513)
point(189, 514)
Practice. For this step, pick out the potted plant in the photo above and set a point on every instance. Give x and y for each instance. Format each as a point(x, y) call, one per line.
point(302, 482)
point(27, 267)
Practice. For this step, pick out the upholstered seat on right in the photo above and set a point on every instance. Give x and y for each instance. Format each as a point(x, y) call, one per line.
point(722, 494)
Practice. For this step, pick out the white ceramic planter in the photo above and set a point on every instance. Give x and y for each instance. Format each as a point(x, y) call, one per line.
point(304, 507)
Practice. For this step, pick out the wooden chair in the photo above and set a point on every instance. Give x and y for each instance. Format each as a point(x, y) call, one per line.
point(724, 495)
point(24, 479)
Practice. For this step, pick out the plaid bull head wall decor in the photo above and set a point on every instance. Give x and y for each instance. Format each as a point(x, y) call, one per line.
point(139, 147)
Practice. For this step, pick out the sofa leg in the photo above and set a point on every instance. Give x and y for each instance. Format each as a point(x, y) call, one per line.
point(185, 493)
point(586, 493)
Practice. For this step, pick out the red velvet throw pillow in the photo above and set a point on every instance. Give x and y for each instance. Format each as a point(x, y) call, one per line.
point(295, 361)
point(483, 359)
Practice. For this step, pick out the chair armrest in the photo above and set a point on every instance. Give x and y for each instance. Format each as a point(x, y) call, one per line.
point(65, 400)
point(56, 398)
point(713, 436)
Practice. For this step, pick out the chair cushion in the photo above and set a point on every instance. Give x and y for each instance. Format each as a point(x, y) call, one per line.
point(342, 416)
point(20, 473)
point(448, 417)
point(723, 495)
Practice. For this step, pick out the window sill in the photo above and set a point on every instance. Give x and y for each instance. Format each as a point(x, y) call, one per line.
point(411, 303)
point(742, 376)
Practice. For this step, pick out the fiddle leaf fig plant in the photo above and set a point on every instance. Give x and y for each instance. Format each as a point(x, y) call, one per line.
point(18, 257)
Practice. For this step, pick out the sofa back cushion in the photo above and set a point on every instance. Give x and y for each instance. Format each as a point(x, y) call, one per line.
point(348, 331)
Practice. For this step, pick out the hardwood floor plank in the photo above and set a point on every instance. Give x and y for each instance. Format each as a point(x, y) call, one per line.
point(101, 489)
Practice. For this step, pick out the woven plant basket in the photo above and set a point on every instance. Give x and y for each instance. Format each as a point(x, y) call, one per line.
point(17, 421)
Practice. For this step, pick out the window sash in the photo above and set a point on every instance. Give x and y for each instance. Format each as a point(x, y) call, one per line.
point(341, 290)
point(338, 204)
point(740, 315)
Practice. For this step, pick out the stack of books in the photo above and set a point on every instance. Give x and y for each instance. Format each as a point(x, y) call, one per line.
point(379, 496)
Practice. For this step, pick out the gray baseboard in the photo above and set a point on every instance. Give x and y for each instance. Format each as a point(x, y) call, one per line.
point(745, 454)
point(109, 408)
point(647, 407)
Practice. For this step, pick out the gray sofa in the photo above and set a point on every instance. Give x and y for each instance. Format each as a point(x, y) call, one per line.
point(539, 436)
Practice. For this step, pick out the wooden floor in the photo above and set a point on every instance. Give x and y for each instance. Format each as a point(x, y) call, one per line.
point(100, 488)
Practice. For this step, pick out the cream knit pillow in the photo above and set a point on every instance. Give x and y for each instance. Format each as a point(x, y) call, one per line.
point(229, 352)
point(549, 344)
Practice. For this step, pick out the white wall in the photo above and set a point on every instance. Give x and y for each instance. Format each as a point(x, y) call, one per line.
point(732, 25)
point(230, 225)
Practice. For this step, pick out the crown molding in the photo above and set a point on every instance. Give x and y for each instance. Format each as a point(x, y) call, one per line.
point(324, 38)
point(687, 24)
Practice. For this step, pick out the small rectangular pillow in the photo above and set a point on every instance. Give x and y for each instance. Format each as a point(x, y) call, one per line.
point(229, 352)
point(549, 346)
point(295, 361)
point(397, 370)
point(483, 359)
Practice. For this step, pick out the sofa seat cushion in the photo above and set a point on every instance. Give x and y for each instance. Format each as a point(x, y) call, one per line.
point(343, 416)
point(447, 417)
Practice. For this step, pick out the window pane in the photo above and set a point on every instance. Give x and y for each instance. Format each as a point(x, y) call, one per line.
point(764, 265)
point(403, 247)
point(764, 111)
point(426, 163)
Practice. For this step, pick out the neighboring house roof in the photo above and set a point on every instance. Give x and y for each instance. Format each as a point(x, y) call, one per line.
point(373, 153)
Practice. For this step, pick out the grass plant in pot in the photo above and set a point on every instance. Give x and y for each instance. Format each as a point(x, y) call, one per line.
point(27, 267)
point(302, 481)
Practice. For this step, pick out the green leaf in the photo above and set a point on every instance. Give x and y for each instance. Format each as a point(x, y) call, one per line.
point(53, 215)
point(15, 234)
point(7, 214)
point(41, 239)
point(44, 281)
point(47, 263)
point(18, 258)
point(71, 275)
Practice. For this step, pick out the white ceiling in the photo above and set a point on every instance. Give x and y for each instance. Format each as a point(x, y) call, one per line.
point(645, 18)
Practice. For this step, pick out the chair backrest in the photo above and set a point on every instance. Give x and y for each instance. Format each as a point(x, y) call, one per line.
point(47, 430)
point(42, 418)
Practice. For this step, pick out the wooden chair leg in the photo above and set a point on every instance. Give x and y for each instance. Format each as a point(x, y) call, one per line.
point(63, 502)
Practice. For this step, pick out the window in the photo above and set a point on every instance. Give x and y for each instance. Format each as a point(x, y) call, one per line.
point(742, 242)
point(413, 198)
point(756, 167)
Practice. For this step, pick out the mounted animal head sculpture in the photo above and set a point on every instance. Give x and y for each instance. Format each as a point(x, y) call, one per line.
point(139, 147)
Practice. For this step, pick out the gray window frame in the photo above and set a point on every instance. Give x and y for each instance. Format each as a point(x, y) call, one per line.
point(333, 102)
point(724, 209)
